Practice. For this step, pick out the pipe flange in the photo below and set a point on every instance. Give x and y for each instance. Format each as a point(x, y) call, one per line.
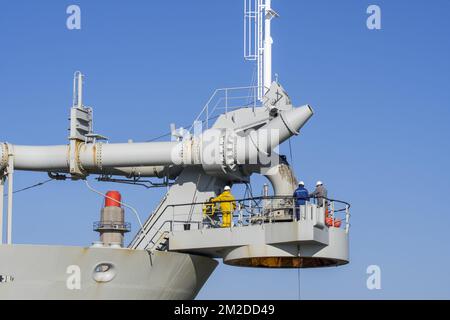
point(3, 157)
point(229, 151)
point(98, 156)
point(80, 171)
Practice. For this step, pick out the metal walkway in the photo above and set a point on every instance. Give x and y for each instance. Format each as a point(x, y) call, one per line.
point(266, 233)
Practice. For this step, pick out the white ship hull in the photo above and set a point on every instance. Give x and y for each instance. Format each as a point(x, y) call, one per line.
point(59, 272)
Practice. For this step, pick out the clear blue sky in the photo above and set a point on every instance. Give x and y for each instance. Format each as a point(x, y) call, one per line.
point(379, 138)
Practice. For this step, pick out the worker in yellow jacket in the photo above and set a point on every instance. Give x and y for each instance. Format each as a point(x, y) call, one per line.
point(227, 206)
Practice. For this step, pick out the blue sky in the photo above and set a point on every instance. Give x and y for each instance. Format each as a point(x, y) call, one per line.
point(379, 138)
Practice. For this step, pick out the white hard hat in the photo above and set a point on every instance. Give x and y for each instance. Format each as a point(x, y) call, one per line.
point(301, 183)
point(227, 188)
point(319, 183)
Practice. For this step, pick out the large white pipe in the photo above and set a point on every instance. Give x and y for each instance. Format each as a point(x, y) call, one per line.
point(95, 158)
point(126, 154)
point(41, 158)
point(275, 132)
point(282, 179)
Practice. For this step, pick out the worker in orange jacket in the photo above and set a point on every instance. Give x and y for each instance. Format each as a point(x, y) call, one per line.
point(227, 206)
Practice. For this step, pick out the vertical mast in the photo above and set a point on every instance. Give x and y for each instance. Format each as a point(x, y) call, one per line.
point(78, 90)
point(267, 54)
point(10, 197)
point(258, 41)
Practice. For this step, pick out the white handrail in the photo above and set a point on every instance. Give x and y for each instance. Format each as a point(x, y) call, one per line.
point(209, 111)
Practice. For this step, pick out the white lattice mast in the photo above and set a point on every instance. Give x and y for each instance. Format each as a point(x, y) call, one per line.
point(258, 41)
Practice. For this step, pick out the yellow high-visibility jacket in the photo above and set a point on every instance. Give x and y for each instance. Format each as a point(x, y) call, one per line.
point(228, 206)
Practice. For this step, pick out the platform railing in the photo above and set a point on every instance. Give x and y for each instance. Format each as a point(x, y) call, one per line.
point(253, 211)
point(111, 225)
point(224, 100)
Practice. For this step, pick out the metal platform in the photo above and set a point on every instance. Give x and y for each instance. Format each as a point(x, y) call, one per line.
point(269, 235)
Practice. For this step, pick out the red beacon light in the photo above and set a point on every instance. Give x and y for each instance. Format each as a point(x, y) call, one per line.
point(113, 199)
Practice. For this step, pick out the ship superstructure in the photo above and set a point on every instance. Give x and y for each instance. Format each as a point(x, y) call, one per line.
point(177, 247)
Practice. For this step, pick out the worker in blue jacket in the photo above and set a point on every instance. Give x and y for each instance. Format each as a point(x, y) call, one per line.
point(301, 195)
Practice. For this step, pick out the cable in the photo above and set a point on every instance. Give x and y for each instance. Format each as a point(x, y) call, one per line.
point(30, 187)
point(160, 137)
point(298, 269)
point(290, 152)
point(120, 202)
point(298, 274)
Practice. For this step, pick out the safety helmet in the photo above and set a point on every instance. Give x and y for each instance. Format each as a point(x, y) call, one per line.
point(319, 183)
point(301, 183)
point(227, 188)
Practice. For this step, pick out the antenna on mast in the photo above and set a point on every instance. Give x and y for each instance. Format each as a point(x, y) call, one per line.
point(81, 128)
point(78, 90)
point(258, 16)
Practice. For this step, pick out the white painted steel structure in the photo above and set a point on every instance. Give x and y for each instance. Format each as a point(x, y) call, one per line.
point(258, 15)
point(172, 254)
